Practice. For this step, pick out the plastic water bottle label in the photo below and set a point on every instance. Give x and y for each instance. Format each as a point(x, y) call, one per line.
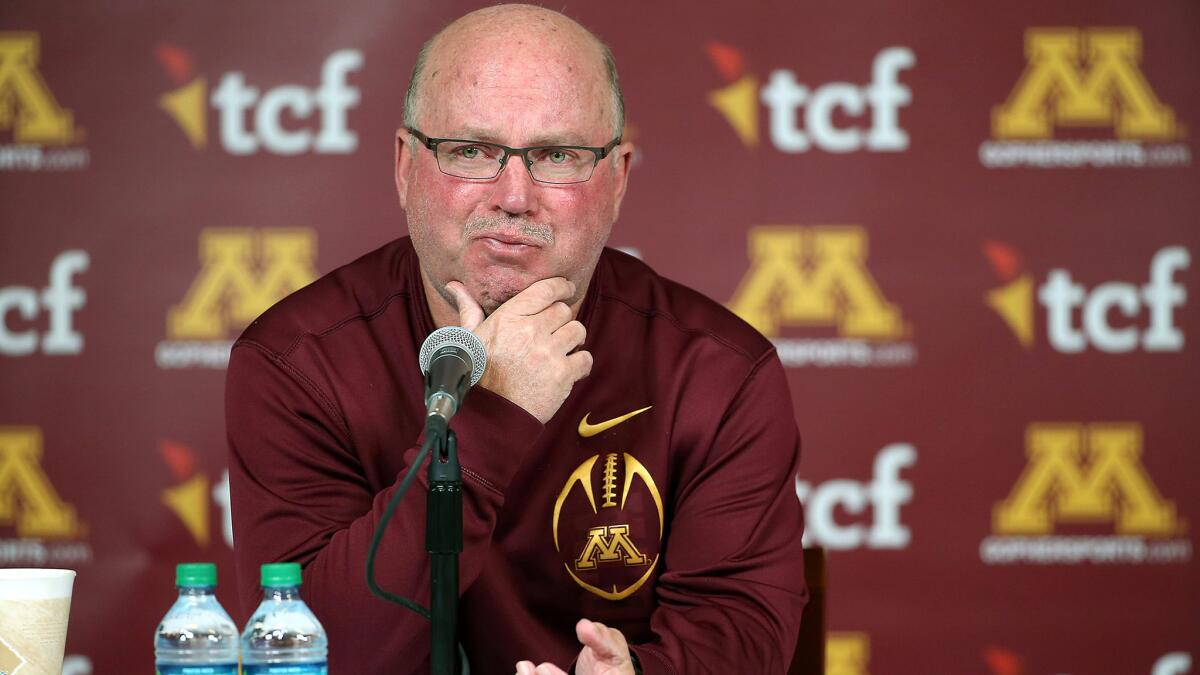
point(286, 669)
point(222, 669)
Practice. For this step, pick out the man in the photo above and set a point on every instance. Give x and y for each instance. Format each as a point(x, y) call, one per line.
point(629, 454)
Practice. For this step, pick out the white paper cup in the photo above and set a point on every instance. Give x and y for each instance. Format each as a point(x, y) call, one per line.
point(34, 606)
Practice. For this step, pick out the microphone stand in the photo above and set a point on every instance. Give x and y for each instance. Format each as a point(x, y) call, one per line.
point(444, 541)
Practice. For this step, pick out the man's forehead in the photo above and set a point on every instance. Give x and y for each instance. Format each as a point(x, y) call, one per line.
point(482, 96)
point(500, 60)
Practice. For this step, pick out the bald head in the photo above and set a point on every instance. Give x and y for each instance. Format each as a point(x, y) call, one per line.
point(521, 31)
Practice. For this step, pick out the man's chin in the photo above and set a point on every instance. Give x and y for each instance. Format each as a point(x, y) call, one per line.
point(496, 286)
point(490, 299)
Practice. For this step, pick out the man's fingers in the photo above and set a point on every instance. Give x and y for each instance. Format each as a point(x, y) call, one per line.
point(570, 335)
point(552, 318)
point(527, 668)
point(580, 364)
point(540, 295)
point(602, 641)
point(470, 314)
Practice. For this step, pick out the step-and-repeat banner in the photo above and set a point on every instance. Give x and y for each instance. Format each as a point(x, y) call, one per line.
point(969, 228)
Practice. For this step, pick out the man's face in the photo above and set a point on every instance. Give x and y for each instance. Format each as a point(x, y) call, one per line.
point(499, 236)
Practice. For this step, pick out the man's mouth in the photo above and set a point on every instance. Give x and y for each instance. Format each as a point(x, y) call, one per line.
point(508, 240)
point(510, 247)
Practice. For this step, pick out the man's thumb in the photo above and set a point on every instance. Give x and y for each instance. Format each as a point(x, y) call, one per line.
point(470, 314)
point(595, 635)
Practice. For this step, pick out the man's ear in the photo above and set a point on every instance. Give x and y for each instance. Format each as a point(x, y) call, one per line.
point(404, 160)
point(622, 162)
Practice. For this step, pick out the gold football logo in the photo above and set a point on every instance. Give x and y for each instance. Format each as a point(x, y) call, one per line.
point(613, 543)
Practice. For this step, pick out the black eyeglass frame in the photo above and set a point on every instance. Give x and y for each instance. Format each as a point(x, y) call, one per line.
point(432, 143)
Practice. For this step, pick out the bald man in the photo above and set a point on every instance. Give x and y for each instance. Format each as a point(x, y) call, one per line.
point(629, 454)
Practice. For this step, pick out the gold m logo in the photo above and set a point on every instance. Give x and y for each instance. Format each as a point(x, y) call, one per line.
point(847, 653)
point(814, 276)
point(26, 104)
point(243, 272)
point(27, 499)
point(609, 543)
point(1087, 78)
point(1084, 474)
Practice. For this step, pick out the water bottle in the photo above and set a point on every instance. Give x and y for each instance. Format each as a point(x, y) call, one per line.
point(196, 637)
point(283, 636)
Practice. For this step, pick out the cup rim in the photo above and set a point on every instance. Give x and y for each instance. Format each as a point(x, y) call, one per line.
point(24, 573)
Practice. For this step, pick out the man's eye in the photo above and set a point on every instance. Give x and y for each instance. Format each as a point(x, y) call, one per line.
point(557, 156)
point(469, 152)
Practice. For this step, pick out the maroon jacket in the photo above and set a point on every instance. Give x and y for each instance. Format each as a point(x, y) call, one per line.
point(678, 525)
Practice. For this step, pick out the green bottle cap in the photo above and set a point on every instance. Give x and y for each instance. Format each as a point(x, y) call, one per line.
point(275, 575)
point(195, 574)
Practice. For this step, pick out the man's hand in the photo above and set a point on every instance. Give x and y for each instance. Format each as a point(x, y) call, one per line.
point(605, 652)
point(529, 340)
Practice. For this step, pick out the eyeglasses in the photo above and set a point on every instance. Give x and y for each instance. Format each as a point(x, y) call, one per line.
point(476, 160)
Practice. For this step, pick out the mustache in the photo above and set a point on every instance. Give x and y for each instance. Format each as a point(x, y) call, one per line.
point(485, 224)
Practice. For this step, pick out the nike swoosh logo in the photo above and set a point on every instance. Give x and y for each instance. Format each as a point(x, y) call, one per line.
point(588, 430)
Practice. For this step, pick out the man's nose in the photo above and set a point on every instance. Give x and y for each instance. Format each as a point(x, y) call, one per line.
point(515, 191)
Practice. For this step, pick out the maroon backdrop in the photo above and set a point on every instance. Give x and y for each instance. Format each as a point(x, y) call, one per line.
point(969, 228)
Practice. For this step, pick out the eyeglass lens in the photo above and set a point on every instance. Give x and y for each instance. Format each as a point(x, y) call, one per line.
point(483, 160)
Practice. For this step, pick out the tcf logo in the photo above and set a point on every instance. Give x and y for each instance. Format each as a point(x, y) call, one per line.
point(801, 118)
point(235, 99)
point(1065, 299)
point(59, 300)
point(189, 497)
point(884, 494)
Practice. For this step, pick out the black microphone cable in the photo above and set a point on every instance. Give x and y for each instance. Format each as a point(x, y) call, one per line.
point(383, 521)
point(442, 405)
point(430, 441)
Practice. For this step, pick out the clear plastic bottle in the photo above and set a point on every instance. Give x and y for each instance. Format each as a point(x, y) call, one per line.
point(283, 636)
point(196, 637)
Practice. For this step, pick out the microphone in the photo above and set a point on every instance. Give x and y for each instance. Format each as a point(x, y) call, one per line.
point(452, 360)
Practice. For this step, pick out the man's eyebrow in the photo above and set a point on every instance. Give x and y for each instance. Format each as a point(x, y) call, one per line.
point(476, 134)
point(489, 136)
point(558, 139)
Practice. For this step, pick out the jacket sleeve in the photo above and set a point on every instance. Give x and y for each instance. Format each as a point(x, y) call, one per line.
point(299, 494)
point(732, 590)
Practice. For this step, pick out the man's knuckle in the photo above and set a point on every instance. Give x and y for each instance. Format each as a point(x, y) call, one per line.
point(546, 289)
